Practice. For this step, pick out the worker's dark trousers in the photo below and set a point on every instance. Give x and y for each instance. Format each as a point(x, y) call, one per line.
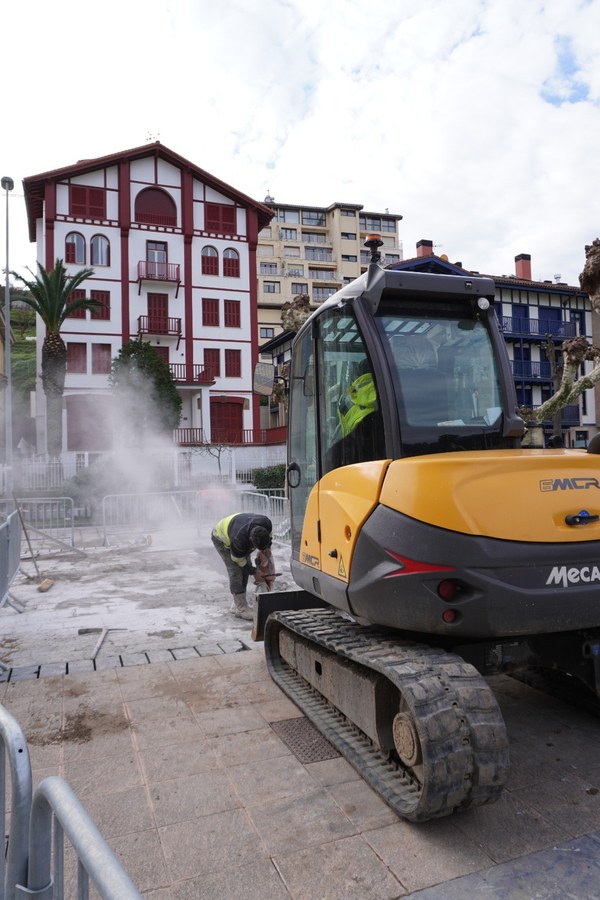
point(238, 576)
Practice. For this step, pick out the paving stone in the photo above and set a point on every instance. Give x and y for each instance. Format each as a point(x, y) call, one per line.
point(208, 649)
point(134, 659)
point(184, 653)
point(47, 670)
point(158, 656)
point(81, 665)
point(231, 646)
point(108, 662)
point(23, 673)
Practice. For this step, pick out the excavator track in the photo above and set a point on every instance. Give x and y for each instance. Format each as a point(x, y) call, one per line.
point(450, 748)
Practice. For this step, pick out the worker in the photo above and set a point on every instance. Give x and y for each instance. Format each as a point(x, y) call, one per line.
point(358, 402)
point(235, 538)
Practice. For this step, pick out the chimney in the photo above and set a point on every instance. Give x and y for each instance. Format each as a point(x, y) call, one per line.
point(424, 248)
point(523, 266)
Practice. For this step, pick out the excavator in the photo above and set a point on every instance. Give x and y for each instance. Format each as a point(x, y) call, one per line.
point(430, 549)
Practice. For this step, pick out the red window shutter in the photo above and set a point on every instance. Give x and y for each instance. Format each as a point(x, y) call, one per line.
point(70, 252)
point(77, 313)
point(212, 361)
point(102, 297)
point(101, 359)
point(220, 217)
point(232, 314)
point(97, 203)
point(78, 197)
point(231, 267)
point(210, 265)
point(76, 357)
point(233, 363)
point(210, 312)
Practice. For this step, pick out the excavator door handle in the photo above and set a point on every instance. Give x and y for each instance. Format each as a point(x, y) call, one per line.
point(582, 518)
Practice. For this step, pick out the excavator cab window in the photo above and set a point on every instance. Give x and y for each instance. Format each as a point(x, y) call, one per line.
point(445, 379)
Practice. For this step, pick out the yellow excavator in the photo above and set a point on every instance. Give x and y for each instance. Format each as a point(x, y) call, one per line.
point(429, 548)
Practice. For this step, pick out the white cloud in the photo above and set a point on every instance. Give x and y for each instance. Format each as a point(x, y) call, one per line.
point(468, 118)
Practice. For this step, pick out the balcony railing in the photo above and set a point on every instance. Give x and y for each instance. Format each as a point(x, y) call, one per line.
point(527, 369)
point(569, 416)
point(158, 271)
point(145, 218)
point(538, 327)
point(159, 325)
point(191, 437)
point(192, 374)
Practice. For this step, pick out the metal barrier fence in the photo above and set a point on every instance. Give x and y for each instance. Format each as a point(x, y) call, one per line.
point(140, 514)
point(10, 556)
point(47, 519)
point(34, 861)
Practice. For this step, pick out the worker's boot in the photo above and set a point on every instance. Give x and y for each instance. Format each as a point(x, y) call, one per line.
point(240, 607)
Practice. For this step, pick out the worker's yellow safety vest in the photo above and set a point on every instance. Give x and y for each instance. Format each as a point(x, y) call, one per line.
point(222, 529)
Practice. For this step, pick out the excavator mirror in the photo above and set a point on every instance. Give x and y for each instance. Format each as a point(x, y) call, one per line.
point(264, 379)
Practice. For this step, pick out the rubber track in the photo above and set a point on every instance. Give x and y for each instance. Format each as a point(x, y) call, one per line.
point(462, 733)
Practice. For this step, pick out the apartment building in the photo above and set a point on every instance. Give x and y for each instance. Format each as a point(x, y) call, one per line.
point(315, 250)
point(173, 251)
point(528, 311)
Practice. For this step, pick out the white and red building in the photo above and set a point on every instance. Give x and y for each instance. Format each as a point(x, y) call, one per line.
point(173, 251)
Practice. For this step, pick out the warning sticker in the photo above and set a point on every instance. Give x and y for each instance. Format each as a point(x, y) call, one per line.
point(341, 568)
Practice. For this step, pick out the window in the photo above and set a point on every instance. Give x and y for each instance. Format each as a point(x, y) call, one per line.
point(220, 217)
point(299, 288)
point(232, 314)
point(99, 251)
point(231, 264)
point(212, 361)
point(210, 312)
point(75, 248)
point(156, 259)
point(289, 215)
point(87, 202)
point(322, 293)
point(265, 233)
point(155, 207)
point(311, 217)
point(310, 237)
point(233, 363)
point(267, 332)
point(348, 212)
point(348, 236)
point(318, 254)
point(268, 268)
point(349, 257)
point(291, 251)
point(296, 272)
point(289, 234)
point(377, 223)
point(77, 313)
point(265, 250)
point(210, 261)
point(322, 274)
point(391, 258)
point(103, 297)
point(271, 287)
point(76, 357)
point(101, 359)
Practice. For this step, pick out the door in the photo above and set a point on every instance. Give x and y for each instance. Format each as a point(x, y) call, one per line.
point(158, 313)
point(156, 257)
point(226, 420)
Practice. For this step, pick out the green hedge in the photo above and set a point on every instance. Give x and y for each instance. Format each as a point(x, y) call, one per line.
point(270, 477)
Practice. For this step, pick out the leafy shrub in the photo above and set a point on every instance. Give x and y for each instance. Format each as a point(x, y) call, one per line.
point(270, 477)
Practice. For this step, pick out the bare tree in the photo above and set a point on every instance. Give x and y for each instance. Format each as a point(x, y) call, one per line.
point(575, 352)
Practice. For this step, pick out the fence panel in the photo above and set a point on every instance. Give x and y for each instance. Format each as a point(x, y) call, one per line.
point(148, 512)
point(10, 554)
point(14, 750)
point(96, 862)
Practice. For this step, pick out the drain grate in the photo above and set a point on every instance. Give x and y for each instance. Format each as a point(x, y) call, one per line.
point(304, 740)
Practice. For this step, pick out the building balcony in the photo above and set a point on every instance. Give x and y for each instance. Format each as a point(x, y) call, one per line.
point(537, 328)
point(158, 271)
point(192, 374)
point(536, 371)
point(159, 325)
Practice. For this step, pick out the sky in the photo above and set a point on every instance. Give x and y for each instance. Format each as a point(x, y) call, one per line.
point(478, 121)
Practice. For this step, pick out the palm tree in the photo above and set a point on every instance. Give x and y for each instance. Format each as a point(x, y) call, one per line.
point(51, 300)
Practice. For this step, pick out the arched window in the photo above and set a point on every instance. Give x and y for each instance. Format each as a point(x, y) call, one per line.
point(155, 207)
point(75, 248)
point(99, 251)
point(231, 263)
point(210, 261)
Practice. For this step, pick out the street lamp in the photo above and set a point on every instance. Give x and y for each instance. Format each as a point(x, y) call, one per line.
point(7, 186)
